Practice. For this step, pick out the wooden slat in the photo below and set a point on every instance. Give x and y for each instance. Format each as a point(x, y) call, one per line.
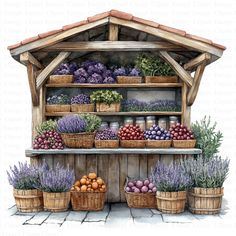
point(204, 57)
point(48, 159)
point(184, 103)
point(123, 162)
point(143, 173)
point(192, 94)
point(91, 164)
point(27, 57)
point(151, 162)
point(80, 166)
point(188, 116)
point(70, 161)
point(41, 78)
point(113, 32)
point(111, 46)
point(59, 160)
point(183, 74)
point(133, 166)
point(32, 85)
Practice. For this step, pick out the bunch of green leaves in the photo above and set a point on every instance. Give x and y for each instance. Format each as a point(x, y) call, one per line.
point(48, 125)
point(208, 139)
point(93, 122)
point(106, 96)
point(152, 65)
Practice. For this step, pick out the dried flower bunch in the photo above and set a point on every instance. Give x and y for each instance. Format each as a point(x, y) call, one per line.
point(61, 99)
point(80, 99)
point(106, 96)
point(66, 69)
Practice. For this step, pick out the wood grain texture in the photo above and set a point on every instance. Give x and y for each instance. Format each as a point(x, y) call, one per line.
point(143, 167)
point(91, 163)
point(123, 162)
point(184, 104)
point(133, 166)
point(113, 32)
point(192, 64)
point(80, 166)
point(151, 162)
point(27, 57)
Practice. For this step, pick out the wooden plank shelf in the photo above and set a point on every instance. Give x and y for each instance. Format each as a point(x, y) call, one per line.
point(141, 113)
point(142, 85)
point(168, 151)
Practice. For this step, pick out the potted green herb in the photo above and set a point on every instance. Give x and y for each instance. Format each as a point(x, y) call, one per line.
point(172, 183)
point(58, 103)
point(25, 180)
point(155, 69)
point(106, 100)
point(208, 177)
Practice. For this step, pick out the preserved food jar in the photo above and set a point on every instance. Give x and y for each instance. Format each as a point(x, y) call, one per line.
point(150, 121)
point(128, 121)
point(103, 126)
point(140, 121)
point(173, 120)
point(162, 123)
point(114, 126)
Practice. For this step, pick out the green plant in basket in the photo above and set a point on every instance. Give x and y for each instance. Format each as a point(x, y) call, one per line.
point(93, 122)
point(106, 96)
point(48, 125)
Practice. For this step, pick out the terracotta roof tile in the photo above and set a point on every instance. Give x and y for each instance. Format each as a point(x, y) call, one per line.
point(145, 22)
point(172, 30)
point(29, 40)
point(121, 15)
point(49, 33)
point(98, 16)
point(76, 24)
point(14, 46)
point(199, 38)
point(219, 46)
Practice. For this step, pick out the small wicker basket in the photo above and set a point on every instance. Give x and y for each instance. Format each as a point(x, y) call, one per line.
point(184, 143)
point(102, 107)
point(132, 143)
point(78, 140)
point(129, 79)
point(161, 79)
point(82, 107)
point(60, 79)
point(87, 201)
point(158, 143)
point(141, 200)
point(106, 143)
point(57, 108)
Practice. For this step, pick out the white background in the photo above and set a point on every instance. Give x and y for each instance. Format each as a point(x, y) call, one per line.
point(211, 19)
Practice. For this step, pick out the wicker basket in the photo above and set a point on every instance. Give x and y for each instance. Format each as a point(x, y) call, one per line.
point(106, 143)
point(28, 200)
point(57, 108)
point(161, 79)
point(82, 107)
point(78, 140)
point(87, 201)
point(141, 200)
point(171, 202)
point(60, 79)
point(102, 107)
point(158, 143)
point(56, 202)
point(132, 143)
point(129, 79)
point(184, 143)
point(205, 201)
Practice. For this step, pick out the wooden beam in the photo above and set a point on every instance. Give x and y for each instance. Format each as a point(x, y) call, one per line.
point(32, 84)
point(183, 103)
point(204, 57)
point(27, 57)
point(172, 37)
point(183, 74)
point(113, 32)
point(196, 83)
point(50, 68)
point(111, 45)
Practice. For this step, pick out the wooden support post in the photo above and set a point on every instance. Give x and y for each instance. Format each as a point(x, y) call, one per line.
point(180, 71)
point(41, 78)
point(184, 102)
point(27, 57)
point(113, 32)
point(192, 64)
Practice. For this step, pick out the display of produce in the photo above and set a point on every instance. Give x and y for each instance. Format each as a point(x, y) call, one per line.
point(66, 69)
point(61, 99)
point(181, 132)
point(106, 134)
point(130, 132)
point(80, 99)
point(93, 122)
point(122, 71)
point(49, 125)
point(157, 133)
point(140, 186)
point(106, 96)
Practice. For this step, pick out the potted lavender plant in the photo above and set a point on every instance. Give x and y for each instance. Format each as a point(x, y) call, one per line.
point(128, 75)
point(172, 183)
point(58, 103)
point(81, 103)
point(56, 184)
point(106, 138)
point(25, 180)
point(208, 177)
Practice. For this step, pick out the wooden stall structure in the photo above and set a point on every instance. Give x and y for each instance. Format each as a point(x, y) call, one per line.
point(110, 37)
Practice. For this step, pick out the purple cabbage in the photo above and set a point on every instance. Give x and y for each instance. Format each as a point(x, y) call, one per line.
point(80, 99)
point(71, 124)
point(106, 134)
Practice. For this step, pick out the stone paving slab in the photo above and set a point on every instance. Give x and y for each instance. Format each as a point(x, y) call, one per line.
point(57, 217)
point(155, 211)
point(76, 216)
point(96, 216)
point(39, 218)
point(135, 212)
point(185, 217)
point(153, 220)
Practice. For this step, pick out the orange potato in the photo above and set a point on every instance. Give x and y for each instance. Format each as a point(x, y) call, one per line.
point(77, 188)
point(87, 182)
point(94, 185)
point(77, 183)
point(99, 181)
point(84, 177)
point(83, 181)
point(83, 188)
point(92, 175)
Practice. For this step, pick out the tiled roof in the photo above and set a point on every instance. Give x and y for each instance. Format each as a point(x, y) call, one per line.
point(120, 15)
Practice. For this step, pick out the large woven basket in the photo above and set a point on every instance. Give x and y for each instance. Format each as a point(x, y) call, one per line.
point(161, 79)
point(171, 202)
point(102, 107)
point(129, 79)
point(158, 143)
point(87, 201)
point(60, 79)
point(82, 107)
point(28, 200)
point(184, 143)
point(57, 108)
point(106, 143)
point(205, 201)
point(132, 143)
point(56, 202)
point(78, 140)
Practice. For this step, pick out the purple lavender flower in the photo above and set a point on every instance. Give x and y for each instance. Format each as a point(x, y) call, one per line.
point(95, 79)
point(80, 99)
point(109, 80)
point(106, 134)
point(63, 69)
point(134, 72)
point(122, 71)
point(80, 76)
point(73, 67)
point(88, 63)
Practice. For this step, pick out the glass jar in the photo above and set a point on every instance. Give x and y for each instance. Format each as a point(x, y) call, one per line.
point(103, 126)
point(114, 126)
point(173, 120)
point(150, 121)
point(162, 123)
point(128, 121)
point(140, 121)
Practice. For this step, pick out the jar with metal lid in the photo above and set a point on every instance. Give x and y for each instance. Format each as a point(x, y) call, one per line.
point(162, 123)
point(150, 121)
point(140, 121)
point(173, 120)
point(114, 126)
point(103, 126)
point(128, 121)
